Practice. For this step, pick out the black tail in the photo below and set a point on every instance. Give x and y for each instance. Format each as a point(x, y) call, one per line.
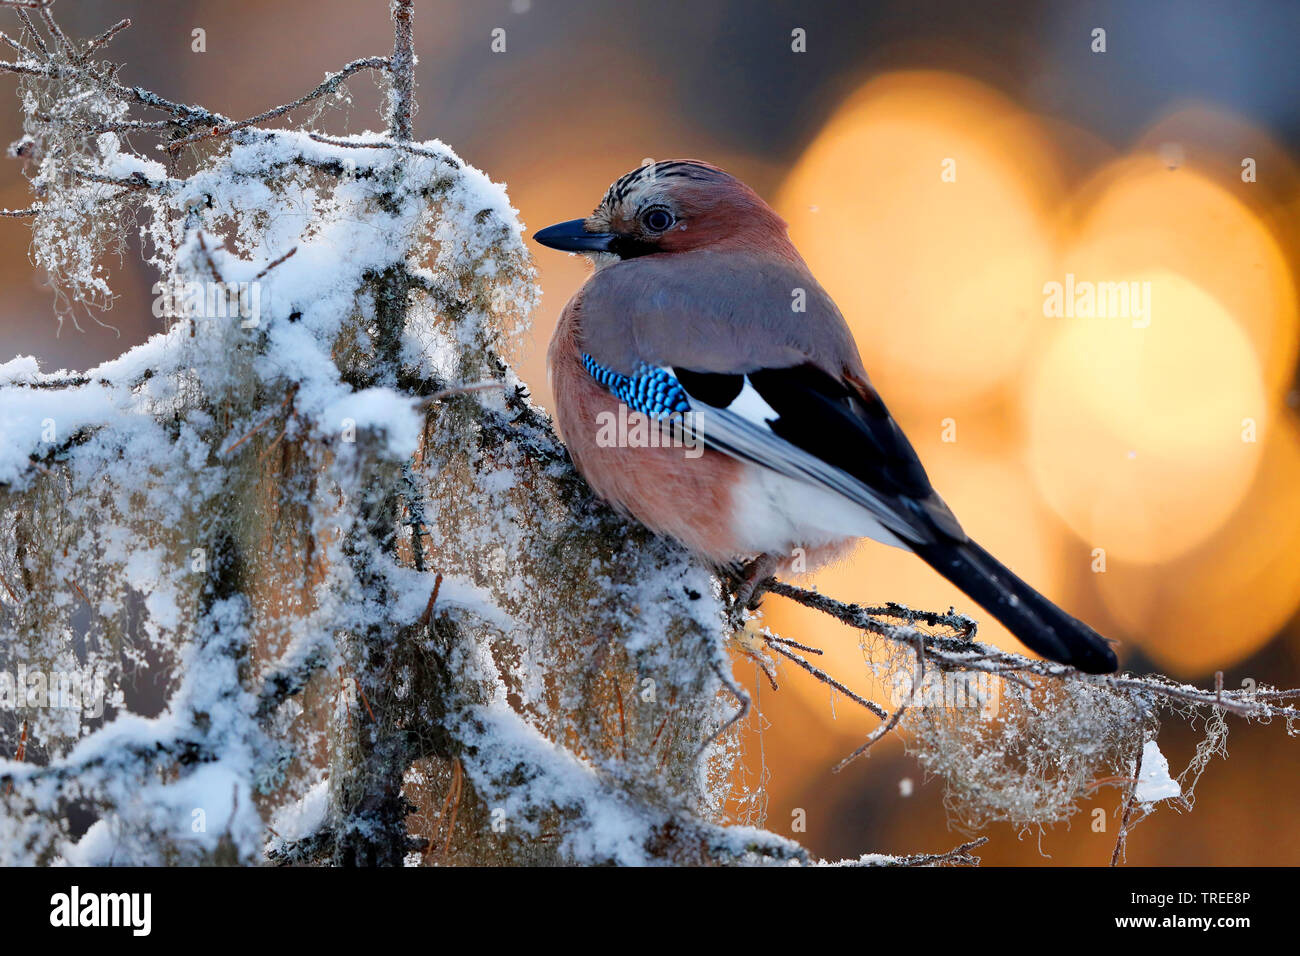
point(1039, 624)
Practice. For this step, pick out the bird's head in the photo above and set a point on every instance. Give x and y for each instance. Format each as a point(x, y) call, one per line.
point(671, 206)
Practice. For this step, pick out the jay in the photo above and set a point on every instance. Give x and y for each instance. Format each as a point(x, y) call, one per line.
point(701, 315)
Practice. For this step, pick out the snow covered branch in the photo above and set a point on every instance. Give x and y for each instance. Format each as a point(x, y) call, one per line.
point(323, 506)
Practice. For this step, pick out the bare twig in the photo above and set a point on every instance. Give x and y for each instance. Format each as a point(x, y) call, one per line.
point(274, 263)
point(427, 616)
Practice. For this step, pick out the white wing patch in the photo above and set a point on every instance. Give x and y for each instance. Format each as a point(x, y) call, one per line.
point(751, 406)
point(754, 441)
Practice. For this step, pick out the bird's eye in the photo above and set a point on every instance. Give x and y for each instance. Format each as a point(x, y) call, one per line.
point(657, 219)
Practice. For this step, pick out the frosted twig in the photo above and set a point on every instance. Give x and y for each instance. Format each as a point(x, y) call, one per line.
point(383, 144)
point(56, 31)
point(879, 733)
point(954, 653)
point(775, 643)
point(30, 27)
point(957, 856)
point(13, 44)
point(105, 37)
point(1122, 837)
point(331, 83)
point(401, 104)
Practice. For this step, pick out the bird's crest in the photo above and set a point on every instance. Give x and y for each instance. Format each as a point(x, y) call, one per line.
point(647, 175)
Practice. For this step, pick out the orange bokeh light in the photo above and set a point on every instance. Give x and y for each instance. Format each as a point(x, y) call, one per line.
point(1154, 437)
point(1135, 434)
point(921, 208)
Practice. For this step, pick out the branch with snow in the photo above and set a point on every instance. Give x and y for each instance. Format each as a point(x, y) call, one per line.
point(322, 504)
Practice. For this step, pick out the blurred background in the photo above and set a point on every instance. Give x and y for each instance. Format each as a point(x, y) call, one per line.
point(938, 163)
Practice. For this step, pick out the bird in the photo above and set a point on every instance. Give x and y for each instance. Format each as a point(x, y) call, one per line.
point(700, 315)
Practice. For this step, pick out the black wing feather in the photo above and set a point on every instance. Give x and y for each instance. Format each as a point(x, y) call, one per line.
point(844, 426)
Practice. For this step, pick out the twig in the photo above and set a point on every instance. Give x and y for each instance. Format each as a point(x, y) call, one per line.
point(957, 856)
point(27, 23)
point(451, 803)
point(365, 700)
point(135, 183)
point(433, 599)
point(742, 709)
point(458, 390)
point(277, 262)
point(184, 116)
point(822, 676)
point(401, 67)
point(622, 721)
point(106, 36)
point(13, 44)
point(382, 144)
point(56, 31)
point(1122, 837)
point(19, 754)
point(795, 644)
point(879, 733)
point(252, 431)
point(955, 653)
point(331, 83)
point(79, 591)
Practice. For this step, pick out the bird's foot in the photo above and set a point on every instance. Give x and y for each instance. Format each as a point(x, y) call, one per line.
point(749, 582)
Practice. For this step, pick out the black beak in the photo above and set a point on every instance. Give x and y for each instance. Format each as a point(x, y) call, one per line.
point(571, 236)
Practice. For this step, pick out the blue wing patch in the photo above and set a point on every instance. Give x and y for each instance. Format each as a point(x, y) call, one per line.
point(651, 391)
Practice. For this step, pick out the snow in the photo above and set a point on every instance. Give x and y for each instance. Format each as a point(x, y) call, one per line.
point(303, 817)
point(201, 491)
point(381, 410)
point(1154, 783)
